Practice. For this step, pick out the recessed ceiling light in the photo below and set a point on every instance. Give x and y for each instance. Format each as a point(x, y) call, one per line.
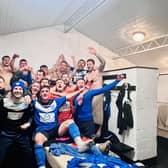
point(138, 36)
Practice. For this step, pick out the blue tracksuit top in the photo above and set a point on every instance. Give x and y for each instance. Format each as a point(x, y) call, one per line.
point(46, 115)
point(84, 111)
point(27, 77)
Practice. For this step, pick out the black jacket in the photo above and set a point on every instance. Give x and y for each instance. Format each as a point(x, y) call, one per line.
point(125, 117)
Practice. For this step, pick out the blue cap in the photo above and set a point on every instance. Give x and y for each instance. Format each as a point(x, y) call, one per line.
point(18, 83)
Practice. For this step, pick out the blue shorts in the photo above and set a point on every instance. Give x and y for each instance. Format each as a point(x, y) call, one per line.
point(87, 128)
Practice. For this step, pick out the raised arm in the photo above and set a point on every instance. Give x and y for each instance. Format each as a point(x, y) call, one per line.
point(59, 60)
point(100, 58)
point(107, 87)
point(74, 61)
point(75, 65)
point(12, 62)
point(70, 95)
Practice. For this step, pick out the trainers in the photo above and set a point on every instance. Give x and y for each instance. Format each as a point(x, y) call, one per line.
point(85, 146)
point(105, 147)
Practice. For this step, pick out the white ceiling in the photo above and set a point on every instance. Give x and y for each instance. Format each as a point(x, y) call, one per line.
point(111, 24)
point(22, 15)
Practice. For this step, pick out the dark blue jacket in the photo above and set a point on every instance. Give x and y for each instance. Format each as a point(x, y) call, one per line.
point(84, 111)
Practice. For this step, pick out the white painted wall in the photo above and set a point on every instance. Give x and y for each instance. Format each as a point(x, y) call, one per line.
point(43, 46)
point(162, 106)
point(162, 89)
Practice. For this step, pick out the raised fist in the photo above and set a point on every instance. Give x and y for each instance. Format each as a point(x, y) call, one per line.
point(92, 51)
point(120, 76)
point(15, 56)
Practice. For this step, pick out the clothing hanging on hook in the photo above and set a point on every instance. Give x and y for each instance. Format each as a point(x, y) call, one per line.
point(125, 117)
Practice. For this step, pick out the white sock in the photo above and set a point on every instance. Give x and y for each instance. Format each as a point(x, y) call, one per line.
point(78, 140)
point(82, 147)
point(42, 167)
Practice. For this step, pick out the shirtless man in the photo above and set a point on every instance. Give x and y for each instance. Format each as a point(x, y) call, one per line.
point(6, 70)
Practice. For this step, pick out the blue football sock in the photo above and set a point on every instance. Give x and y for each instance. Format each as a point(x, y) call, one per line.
point(74, 130)
point(40, 155)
